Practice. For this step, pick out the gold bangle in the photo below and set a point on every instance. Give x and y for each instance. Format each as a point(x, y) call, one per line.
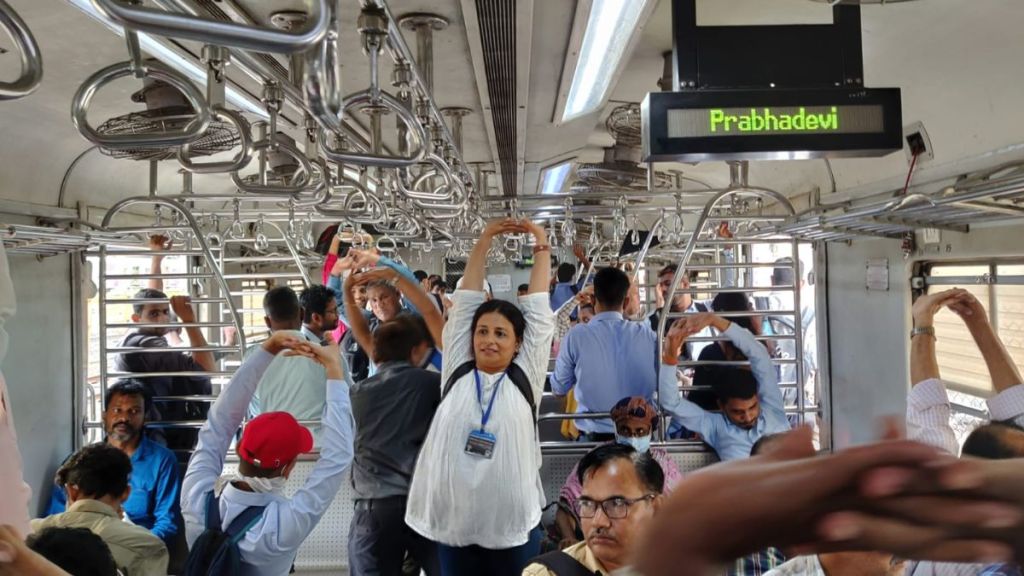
point(541, 248)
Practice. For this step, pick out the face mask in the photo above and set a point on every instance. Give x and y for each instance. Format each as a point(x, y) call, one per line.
point(258, 485)
point(641, 444)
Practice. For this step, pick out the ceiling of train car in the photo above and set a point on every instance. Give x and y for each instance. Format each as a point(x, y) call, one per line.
point(953, 61)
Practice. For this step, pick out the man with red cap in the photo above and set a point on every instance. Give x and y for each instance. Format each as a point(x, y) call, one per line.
point(270, 446)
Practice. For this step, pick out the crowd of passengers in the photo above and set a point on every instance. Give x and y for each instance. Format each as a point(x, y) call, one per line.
point(428, 403)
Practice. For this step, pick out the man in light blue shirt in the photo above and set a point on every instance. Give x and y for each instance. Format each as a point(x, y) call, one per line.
point(291, 384)
point(750, 402)
point(268, 454)
point(608, 358)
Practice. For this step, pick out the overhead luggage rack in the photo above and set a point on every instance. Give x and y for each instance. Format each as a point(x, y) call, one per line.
point(43, 241)
point(985, 197)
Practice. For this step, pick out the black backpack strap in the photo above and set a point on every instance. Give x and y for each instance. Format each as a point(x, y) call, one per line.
point(701, 307)
point(459, 372)
point(244, 522)
point(522, 382)
point(212, 511)
point(563, 565)
point(515, 374)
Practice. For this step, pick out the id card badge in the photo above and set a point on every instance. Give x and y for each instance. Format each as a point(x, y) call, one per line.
point(481, 443)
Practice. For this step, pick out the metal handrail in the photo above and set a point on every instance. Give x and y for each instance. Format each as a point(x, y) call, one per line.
point(189, 133)
point(322, 83)
point(305, 171)
point(31, 58)
point(418, 134)
point(737, 186)
point(217, 32)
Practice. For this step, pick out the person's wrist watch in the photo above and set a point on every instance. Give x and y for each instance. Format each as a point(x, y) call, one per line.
point(923, 330)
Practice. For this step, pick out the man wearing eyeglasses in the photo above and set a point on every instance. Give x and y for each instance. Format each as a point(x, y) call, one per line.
point(622, 490)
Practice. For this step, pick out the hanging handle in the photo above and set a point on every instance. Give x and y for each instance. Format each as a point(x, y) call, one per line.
point(31, 57)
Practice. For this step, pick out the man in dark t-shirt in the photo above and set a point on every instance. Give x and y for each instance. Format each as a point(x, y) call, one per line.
point(385, 454)
point(174, 373)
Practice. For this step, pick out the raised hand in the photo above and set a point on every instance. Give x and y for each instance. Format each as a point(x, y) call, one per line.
point(160, 243)
point(927, 305)
point(969, 309)
point(364, 259)
point(364, 278)
point(498, 227)
point(282, 340)
point(182, 307)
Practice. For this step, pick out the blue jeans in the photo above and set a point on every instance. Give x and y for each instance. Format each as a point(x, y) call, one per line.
point(476, 560)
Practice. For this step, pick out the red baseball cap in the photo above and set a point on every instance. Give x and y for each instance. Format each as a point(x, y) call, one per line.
point(274, 439)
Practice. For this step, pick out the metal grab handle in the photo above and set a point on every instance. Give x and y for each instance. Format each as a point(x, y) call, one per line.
point(239, 162)
point(31, 58)
point(323, 85)
point(191, 132)
point(416, 130)
point(253, 38)
point(295, 188)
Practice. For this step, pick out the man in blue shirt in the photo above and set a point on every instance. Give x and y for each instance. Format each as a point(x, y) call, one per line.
point(153, 503)
point(566, 289)
point(607, 359)
point(750, 401)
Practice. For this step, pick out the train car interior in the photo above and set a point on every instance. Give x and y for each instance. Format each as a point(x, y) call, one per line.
point(804, 169)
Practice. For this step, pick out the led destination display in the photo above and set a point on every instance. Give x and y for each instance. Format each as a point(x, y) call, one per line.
point(775, 120)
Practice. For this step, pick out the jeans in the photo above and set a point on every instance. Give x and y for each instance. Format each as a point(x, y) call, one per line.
point(379, 540)
point(477, 561)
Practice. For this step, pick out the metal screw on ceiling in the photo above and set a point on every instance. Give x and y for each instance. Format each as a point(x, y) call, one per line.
point(288, 20)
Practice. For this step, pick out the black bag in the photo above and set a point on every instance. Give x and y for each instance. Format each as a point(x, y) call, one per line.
point(563, 565)
point(216, 550)
point(515, 374)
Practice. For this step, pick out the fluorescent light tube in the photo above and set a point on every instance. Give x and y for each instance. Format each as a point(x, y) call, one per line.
point(553, 178)
point(610, 27)
point(163, 53)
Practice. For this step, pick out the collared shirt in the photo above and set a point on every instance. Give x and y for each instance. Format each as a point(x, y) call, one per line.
point(758, 563)
point(580, 552)
point(136, 551)
point(292, 384)
point(154, 501)
point(928, 413)
point(16, 493)
point(460, 499)
point(729, 440)
point(606, 360)
point(800, 566)
point(270, 546)
point(385, 454)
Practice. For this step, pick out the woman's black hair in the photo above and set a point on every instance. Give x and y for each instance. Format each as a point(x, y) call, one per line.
point(507, 309)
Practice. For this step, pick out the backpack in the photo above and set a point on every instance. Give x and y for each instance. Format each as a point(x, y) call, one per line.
point(563, 565)
point(515, 374)
point(216, 550)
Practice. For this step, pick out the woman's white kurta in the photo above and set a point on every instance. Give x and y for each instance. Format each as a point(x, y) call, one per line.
point(460, 499)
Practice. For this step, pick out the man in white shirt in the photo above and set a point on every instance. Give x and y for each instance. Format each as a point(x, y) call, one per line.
point(270, 446)
point(928, 409)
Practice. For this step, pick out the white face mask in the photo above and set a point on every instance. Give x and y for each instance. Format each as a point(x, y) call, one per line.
point(258, 485)
point(641, 444)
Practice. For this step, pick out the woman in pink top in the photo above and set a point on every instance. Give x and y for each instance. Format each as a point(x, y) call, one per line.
point(635, 421)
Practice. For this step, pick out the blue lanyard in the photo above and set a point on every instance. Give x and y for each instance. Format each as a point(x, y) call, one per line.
point(480, 399)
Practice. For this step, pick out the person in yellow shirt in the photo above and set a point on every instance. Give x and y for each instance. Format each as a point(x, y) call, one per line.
point(622, 490)
point(96, 480)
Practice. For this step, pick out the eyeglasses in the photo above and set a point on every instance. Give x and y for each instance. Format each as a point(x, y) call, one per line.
point(614, 508)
